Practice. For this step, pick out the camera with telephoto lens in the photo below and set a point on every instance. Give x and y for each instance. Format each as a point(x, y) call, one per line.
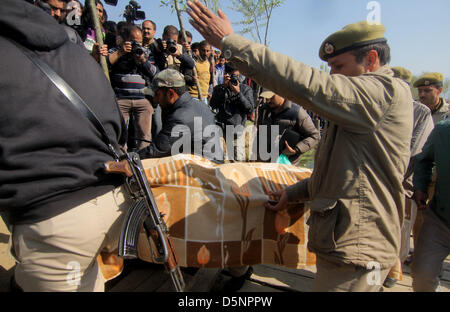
point(171, 46)
point(234, 80)
point(136, 48)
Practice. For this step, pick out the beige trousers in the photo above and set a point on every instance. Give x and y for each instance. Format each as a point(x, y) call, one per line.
point(59, 254)
point(409, 224)
point(143, 112)
point(334, 277)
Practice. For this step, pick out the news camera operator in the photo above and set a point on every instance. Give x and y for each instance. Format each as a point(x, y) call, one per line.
point(131, 71)
point(233, 101)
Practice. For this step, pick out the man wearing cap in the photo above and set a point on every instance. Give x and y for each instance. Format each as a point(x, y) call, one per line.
point(356, 193)
point(289, 117)
point(430, 86)
point(185, 116)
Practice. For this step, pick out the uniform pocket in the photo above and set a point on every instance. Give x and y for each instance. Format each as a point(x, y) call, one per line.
point(322, 223)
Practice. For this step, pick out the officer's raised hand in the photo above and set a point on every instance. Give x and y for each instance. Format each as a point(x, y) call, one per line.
point(212, 27)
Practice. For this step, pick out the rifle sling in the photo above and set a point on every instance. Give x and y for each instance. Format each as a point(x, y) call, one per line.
point(69, 93)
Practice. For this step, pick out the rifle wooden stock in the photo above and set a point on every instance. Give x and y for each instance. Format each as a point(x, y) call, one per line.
point(172, 261)
point(120, 167)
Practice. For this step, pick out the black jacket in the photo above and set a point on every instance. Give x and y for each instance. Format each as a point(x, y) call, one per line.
point(183, 113)
point(51, 157)
point(232, 109)
point(295, 118)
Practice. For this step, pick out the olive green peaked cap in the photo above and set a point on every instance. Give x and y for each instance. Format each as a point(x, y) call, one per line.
point(429, 79)
point(402, 73)
point(169, 78)
point(351, 37)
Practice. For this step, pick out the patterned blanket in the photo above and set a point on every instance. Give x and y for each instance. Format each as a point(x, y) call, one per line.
point(216, 215)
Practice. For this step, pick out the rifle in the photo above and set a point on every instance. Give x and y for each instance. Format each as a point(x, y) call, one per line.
point(144, 213)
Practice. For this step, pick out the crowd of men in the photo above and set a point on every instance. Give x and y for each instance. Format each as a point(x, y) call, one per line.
point(134, 56)
point(378, 144)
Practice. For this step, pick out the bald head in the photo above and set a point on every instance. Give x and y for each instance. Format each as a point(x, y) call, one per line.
point(132, 32)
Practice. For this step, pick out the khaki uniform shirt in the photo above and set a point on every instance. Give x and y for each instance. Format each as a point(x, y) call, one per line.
point(356, 192)
point(442, 111)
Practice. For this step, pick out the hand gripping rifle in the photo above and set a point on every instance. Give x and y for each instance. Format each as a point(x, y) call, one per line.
point(144, 212)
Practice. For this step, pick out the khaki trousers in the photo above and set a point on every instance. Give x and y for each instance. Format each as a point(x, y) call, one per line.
point(409, 223)
point(143, 112)
point(59, 254)
point(433, 246)
point(334, 277)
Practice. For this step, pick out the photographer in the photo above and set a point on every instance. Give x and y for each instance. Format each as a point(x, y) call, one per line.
point(171, 54)
point(233, 102)
point(131, 71)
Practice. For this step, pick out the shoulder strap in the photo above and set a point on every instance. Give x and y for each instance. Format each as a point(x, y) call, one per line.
point(69, 93)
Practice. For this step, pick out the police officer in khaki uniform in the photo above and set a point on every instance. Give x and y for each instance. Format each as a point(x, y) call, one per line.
point(430, 86)
point(356, 193)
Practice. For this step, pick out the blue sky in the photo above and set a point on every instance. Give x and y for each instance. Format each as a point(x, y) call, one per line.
point(417, 30)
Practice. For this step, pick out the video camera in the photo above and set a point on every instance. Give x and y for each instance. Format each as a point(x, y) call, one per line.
point(132, 12)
